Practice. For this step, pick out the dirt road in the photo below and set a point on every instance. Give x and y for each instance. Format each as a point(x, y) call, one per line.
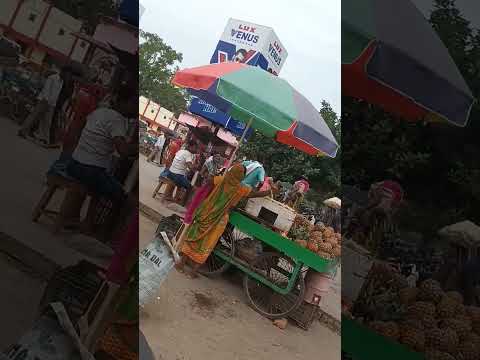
point(210, 319)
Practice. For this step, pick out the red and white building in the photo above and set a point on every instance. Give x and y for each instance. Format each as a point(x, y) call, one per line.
point(49, 35)
point(44, 33)
point(158, 118)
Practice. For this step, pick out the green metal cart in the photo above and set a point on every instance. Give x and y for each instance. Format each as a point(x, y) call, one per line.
point(274, 279)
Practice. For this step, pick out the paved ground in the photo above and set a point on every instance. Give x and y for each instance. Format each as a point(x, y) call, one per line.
point(28, 251)
point(210, 319)
point(23, 176)
point(21, 291)
point(148, 181)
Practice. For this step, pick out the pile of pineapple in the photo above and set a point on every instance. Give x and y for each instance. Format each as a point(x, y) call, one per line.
point(435, 322)
point(319, 239)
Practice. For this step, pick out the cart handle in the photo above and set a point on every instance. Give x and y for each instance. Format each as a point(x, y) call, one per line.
point(167, 241)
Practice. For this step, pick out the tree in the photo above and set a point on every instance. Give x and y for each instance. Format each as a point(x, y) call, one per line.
point(157, 65)
point(286, 164)
point(436, 163)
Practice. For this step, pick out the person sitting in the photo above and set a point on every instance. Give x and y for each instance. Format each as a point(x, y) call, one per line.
point(177, 172)
point(295, 195)
point(384, 198)
point(104, 133)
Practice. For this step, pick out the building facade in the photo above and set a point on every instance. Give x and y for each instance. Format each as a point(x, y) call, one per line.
point(44, 33)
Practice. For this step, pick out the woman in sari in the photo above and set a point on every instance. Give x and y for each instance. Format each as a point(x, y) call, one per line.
point(211, 217)
point(210, 169)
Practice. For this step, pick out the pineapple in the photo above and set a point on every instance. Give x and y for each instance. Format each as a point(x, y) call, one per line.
point(336, 251)
point(474, 313)
point(455, 296)
point(468, 351)
point(413, 338)
point(412, 323)
point(316, 235)
point(461, 327)
point(430, 290)
point(319, 227)
point(476, 327)
point(324, 255)
point(421, 309)
point(431, 335)
point(444, 340)
point(388, 329)
point(429, 322)
point(331, 240)
point(446, 308)
point(473, 338)
point(433, 354)
point(329, 233)
point(408, 295)
point(325, 247)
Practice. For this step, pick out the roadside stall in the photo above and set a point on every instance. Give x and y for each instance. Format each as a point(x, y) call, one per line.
point(263, 240)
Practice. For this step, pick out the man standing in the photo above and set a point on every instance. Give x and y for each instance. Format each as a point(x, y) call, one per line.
point(157, 148)
point(43, 111)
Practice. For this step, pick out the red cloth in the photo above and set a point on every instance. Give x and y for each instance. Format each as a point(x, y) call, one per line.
point(85, 103)
point(200, 195)
point(302, 183)
point(173, 148)
point(395, 189)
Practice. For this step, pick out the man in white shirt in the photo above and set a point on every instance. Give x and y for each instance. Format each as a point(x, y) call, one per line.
point(182, 163)
point(157, 148)
point(43, 111)
point(104, 133)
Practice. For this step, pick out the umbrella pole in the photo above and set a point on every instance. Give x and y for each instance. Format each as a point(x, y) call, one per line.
point(249, 124)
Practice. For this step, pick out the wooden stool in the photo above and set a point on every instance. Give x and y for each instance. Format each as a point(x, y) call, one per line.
point(161, 181)
point(54, 183)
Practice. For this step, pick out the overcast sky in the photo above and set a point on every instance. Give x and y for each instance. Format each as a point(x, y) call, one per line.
point(308, 29)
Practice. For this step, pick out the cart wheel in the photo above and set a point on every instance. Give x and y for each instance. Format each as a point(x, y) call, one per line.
point(277, 269)
point(214, 265)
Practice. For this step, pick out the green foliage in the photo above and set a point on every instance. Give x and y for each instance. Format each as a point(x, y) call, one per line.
point(158, 62)
point(287, 164)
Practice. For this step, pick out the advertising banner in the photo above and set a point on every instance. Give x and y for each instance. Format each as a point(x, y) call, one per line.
point(211, 113)
point(251, 44)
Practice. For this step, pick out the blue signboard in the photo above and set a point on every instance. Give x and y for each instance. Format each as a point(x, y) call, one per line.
point(211, 113)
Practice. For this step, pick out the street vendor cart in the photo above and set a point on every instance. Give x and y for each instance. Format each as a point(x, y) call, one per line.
point(274, 274)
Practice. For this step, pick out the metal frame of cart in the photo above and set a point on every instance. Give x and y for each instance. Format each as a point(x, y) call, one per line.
point(274, 280)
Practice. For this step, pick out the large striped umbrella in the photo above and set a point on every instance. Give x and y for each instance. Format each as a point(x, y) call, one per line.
point(392, 57)
point(263, 101)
